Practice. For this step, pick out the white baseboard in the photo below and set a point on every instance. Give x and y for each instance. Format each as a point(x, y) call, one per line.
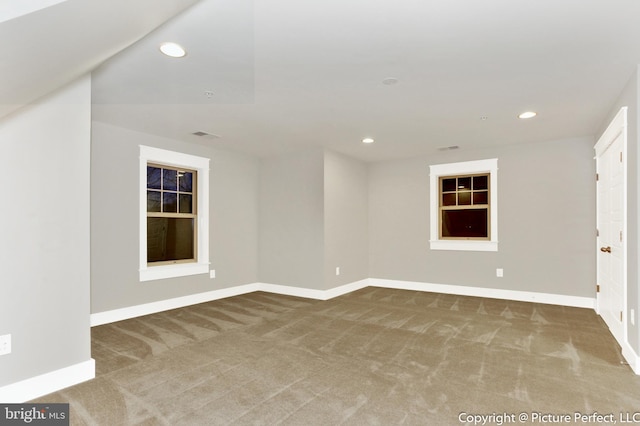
point(307, 293)
point(314, 294)
point(107, 317)
point(35, 387)
point(179, 302)
point(631, 357)
point(347, 288)
point(493, 293)
point(115, 315)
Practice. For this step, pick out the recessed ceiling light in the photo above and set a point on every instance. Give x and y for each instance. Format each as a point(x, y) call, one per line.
point(172, 49)
point(528, 114)
point(390, 81)
point(367, 140)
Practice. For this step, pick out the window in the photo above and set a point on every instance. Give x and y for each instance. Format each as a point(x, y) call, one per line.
point(464, 206)
point(173, 214)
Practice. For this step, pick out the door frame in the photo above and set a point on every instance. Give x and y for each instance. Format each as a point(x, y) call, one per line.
point(617, 127)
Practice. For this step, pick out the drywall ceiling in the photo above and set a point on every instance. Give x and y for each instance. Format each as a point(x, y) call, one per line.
point(13, 9)
point(48, 43)
point(275, 76)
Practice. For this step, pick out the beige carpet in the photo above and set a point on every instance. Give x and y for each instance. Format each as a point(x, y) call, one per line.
point(375, 356)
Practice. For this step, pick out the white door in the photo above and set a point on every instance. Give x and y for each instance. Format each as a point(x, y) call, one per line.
point(611, 218)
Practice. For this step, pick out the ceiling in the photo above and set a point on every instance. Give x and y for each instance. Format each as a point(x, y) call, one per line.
point(275, 76)
point(49, 43)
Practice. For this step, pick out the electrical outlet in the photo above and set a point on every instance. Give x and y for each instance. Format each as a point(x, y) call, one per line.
point(5, 344)
point(337, 270)
point(499, 272)
point(212, 273)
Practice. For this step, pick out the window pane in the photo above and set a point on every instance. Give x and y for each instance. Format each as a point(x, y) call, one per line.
point(169, 239)
point(464, 198)
point(169, 202)
point(169, 181)
point(481, 197)
point(186, 179)
point(449, 185)
point(470, 223)
point(449, 199)
point(464, 183)
point(481, 182)
point(153, 177)
point(186, 203)
point(153, 201)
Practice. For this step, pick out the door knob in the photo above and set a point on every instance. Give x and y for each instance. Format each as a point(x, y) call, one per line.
point(605, 249)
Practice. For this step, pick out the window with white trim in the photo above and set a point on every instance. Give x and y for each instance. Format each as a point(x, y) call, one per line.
point(464, 206)
point(174, 210)
point(172, 216)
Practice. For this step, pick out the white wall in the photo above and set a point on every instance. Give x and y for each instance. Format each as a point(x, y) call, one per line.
point(291, 244)
point(546, 221)
point(44, 224)
point(346, 220)
point(313, 218)
point(233, 234)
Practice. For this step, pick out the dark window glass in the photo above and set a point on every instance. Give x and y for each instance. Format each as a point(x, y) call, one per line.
point(480, 182)
point(464, 198)
point(153, 201)
point(169, 202)
point(458, 221)
point(449, 185)
point(186, 181)
point(449, 199)
point(169, 239)
point(481, 197)
point(464, 183)
point(186, 203)
point(169, 180)
point(468, 223)
point(153, 177)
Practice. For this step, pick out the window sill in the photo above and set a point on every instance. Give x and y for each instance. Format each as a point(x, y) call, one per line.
point(463, 245)
point(172, 271)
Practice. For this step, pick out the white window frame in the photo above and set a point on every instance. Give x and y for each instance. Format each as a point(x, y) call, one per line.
point(201, 166)
point(456, 169)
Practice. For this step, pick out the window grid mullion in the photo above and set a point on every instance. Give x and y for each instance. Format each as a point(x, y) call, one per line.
point(457, 206)
point(177, 214)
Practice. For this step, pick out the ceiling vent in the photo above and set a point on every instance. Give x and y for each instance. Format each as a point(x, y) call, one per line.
point(206, 135)
point(448, 148)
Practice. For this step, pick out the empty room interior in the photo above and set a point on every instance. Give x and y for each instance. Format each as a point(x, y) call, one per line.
point(336, 212)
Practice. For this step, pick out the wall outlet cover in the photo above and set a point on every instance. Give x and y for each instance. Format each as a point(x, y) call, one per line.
point(5, 344)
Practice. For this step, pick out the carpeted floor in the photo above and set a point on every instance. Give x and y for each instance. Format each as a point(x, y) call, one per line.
point(375, 356)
